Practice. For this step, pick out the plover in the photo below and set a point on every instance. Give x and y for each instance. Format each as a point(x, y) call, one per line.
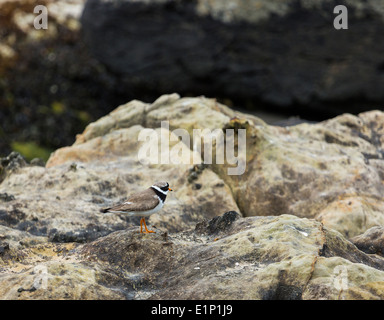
point(143, 203)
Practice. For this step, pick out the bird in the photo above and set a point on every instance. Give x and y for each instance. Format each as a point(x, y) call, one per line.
point(143, 203)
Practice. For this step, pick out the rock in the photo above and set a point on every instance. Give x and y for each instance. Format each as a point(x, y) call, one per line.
point(6, 197)
point(3, 247)
point(217, 224)
point(17, 239)
point(277, 231)
point(272, 54)
point(186, 113)
point(10, 164)
point(37, 162)
point(331, 171)
point(102, 167)
point(282, 257)
point(371, 241)
point(48, 272)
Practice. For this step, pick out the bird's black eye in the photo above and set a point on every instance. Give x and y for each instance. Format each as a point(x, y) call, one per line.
point(166, 187)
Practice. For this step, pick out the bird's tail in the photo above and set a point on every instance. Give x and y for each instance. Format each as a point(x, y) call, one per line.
point(104, 210)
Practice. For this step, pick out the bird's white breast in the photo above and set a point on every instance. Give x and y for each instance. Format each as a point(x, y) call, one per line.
point(149, 212)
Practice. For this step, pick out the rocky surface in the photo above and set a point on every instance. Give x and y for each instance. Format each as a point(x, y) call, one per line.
point(285, 55)
point(278, 231)
point(331, 171)
point(283, 257)
point(371, 241)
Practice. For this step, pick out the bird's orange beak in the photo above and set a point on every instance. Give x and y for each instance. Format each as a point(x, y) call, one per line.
point(169, 189)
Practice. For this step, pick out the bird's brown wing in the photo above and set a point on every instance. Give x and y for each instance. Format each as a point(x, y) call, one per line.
point(142, 201)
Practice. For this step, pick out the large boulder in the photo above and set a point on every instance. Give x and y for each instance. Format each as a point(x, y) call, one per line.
point(283, 54)
point(332, 171)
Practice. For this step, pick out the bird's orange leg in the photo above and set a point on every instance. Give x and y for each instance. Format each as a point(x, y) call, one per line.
point(141, 225)
point(146, 229)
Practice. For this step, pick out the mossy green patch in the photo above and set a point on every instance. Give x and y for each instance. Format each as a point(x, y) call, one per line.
point(31, 150)
point(58, 107)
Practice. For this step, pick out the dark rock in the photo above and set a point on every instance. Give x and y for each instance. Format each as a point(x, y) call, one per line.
point(31, 289)
point(6, 197)
point(4, 246)
point(12, 217)
point(195, 171)
point(284, 292)
point(217, 224)
point(285, 56)
point(11, 163)
point(79, 236)
point(196, 186)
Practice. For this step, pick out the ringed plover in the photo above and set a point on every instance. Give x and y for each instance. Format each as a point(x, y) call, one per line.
point(143, 203)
